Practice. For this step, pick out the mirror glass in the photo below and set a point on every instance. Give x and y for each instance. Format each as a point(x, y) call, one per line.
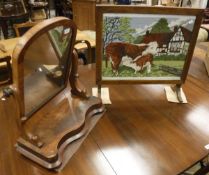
point(45, 67)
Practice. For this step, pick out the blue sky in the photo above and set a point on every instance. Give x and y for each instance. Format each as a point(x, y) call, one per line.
point(142, 21)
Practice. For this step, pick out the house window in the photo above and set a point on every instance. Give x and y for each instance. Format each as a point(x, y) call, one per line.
point(178, 36)
point(175, 47)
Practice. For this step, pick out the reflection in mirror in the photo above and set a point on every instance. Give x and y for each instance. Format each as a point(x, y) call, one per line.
point(45, 64)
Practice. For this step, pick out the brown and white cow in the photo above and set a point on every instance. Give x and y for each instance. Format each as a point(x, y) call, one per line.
point(139, 62)
point(144, 60)
point(116, 50)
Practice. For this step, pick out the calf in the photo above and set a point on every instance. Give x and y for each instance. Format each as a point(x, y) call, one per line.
point(128, 62)
point(144, 61)
point(140, 62)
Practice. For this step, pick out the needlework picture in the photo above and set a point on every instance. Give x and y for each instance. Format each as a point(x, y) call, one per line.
point(145, 46)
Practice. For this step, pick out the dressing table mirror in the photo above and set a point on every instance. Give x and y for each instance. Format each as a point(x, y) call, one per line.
point(54, 110)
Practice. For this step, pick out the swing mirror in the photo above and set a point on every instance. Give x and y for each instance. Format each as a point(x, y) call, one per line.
point(44, 65)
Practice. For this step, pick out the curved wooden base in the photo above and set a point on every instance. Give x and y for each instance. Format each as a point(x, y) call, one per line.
point(51, 133)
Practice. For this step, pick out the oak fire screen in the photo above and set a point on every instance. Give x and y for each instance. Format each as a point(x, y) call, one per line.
point(138, 44)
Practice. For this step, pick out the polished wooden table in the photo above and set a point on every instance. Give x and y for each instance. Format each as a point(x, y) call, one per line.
point(140, 134)
point(9, 45)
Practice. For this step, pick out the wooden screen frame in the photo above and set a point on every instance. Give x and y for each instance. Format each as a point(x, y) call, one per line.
point(129, 9)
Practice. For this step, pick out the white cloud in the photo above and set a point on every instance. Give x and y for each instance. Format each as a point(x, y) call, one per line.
point(180, 22)
point(141, 31)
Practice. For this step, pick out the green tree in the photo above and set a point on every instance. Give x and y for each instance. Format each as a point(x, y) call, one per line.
point(127, 31)
point(117, 29)
point(138, 39)
point(161, 26)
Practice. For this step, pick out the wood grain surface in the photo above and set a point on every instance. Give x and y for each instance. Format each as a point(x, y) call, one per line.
point(140, 134)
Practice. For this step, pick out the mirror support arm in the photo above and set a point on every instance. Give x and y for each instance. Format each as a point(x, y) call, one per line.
point(76, 87)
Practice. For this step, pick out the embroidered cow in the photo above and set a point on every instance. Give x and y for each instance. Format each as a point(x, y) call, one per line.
point(115, 51)
point(144, 61)
point(139, 63)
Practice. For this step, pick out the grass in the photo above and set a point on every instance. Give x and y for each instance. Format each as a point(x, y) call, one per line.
point(170, 57)
point(155, 72)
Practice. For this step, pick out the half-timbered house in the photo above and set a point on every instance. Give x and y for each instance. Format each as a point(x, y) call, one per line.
point(174, 42)
point(180, 41)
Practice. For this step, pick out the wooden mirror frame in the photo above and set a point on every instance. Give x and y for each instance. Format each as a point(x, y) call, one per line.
point(21, 48)
point(52, 134)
